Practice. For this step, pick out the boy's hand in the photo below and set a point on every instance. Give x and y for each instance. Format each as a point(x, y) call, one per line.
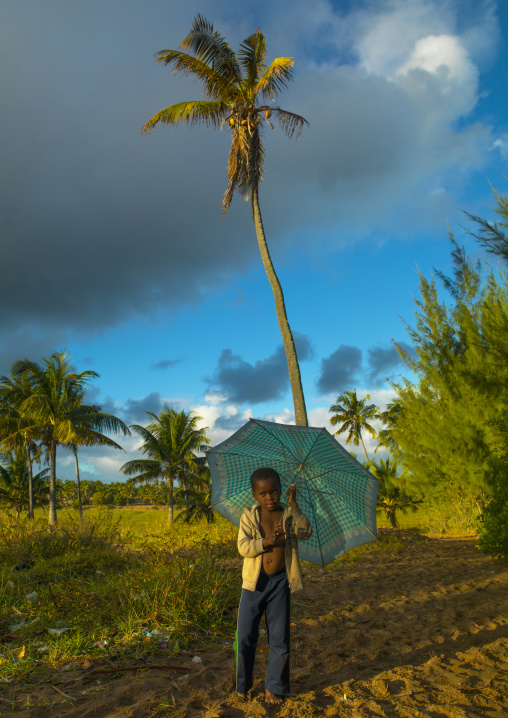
point(291, 496)
point(278, 534)
point(278, 537)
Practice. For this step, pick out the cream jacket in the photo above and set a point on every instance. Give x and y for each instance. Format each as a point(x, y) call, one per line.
point(250, 544)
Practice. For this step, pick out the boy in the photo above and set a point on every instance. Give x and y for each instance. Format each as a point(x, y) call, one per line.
point(268, 541)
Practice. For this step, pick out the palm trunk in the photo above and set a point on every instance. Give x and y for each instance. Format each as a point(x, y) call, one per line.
point(364, 449)
point(52, 519)
point(280, 308)
point(30, 482)
point(391, 516)
point(170, 510)
point(80, 507)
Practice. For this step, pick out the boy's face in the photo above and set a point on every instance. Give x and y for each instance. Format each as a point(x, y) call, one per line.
point(267, 494)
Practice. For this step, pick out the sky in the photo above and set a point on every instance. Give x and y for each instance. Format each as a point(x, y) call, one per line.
point(113, 245)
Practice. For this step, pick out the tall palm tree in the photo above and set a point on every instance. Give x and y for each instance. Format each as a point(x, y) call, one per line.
point(170, 441)
point(14, 480)
point(240, 93)
point(13, 391)
point(353, 415)
point(54, 410)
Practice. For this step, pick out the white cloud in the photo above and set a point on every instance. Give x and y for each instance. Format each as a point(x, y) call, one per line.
point(286, 416)
point(389, 32)
point(501, 144)
point(441, 78)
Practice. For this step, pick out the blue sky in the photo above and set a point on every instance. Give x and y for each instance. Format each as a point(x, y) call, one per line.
point(113, 244)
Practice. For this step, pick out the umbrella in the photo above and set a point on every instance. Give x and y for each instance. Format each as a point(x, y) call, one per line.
point(335, 492)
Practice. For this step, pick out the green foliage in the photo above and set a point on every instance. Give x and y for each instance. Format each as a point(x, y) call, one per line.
point(450, 427)
point(389, 419)
point(197, 506)
point(45, 401)
point(493, 520)
point(14, 482)
point(444, 432)
point(22, 540)
point(84, 578)
point(491, 235)
point(392, 495)
point(169, 440)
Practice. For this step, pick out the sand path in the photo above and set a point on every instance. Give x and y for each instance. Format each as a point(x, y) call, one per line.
point(423, 632)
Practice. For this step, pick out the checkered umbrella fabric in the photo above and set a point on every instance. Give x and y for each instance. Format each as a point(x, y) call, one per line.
point(335, 492)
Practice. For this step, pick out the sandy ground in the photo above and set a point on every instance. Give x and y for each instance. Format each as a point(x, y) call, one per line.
point(420, 633)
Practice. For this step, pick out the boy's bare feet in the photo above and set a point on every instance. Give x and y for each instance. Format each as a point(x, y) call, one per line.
point(242, 696)
point(273, 698)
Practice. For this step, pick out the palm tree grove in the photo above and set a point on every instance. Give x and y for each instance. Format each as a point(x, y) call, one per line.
point(154, 511)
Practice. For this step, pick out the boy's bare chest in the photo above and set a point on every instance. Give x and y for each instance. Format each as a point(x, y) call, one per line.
point(268, 522)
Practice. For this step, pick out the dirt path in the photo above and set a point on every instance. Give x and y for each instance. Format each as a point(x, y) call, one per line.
point(423, 632)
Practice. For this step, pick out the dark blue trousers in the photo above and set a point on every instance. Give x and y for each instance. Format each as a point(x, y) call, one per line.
point(271, 597)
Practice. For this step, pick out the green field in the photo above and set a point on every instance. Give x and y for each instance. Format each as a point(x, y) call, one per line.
point(124, 586)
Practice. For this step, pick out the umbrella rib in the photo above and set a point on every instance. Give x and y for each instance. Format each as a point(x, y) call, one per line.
point(284, 447)
point(314, 525)
point(339, 498)
point(329, 471)
point(242, 454)
point(302, 463)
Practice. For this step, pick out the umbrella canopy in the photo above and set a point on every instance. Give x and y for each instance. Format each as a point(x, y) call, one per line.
point(335, 492)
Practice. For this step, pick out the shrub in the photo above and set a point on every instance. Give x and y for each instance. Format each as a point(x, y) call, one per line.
point(494, 517)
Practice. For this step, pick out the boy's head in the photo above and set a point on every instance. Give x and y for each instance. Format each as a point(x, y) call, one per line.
point(264, 473)
point(266, 488)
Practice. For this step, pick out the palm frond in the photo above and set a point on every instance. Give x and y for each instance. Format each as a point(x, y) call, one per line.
point(275, 79)
point(193, 112)
point(216, 86)
point(212, 48)
point(151, 445)
point(92, 418)
point(290, 123)
point(146, 468)
point(252, 57)
point(89, 437)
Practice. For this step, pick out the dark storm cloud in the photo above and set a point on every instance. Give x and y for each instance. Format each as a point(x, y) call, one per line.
point(91, 395)
point(166, 363)
point(101, 224)
point(382, 361)
point(135, 409)
point(241, 382)
point(340, 370)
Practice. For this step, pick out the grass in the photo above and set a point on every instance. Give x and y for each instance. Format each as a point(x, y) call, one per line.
point(80, 593)
point(437, 517)
point(124, 587)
